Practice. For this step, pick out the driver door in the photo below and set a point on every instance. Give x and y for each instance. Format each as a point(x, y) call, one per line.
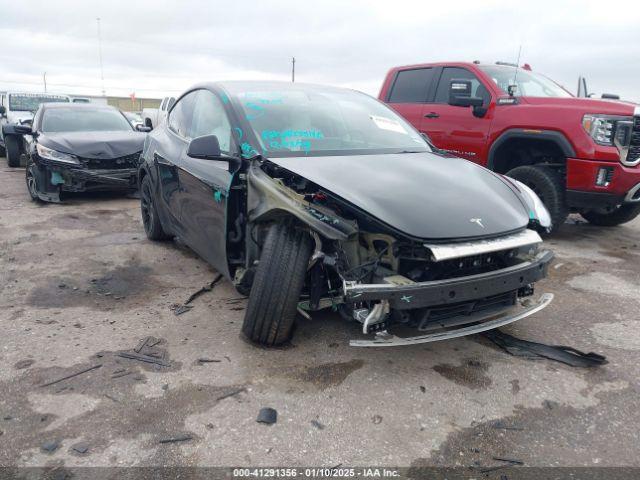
point(206, 183)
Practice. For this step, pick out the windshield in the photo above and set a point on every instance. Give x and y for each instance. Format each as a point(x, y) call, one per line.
point(314, 121)
point(528, 84)
point(83, 120)
point(19, 102)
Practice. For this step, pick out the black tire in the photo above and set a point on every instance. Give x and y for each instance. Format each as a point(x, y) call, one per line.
point(548, 184)
point(150, 218)
point(277, 285)
point(621, 214)
point(3, 152)
point(32, 187)
point(13, 150)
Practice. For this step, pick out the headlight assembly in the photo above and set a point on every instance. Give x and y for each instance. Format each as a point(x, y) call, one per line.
point(54, 155)
point(537, 209)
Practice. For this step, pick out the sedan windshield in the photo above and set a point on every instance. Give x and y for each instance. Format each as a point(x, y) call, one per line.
point(528, 84)
point(84, 120)
point(317, 121)
point(24, 102)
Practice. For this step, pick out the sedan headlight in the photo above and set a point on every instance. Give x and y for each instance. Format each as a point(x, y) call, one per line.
point(537, 210)
point(50, 154)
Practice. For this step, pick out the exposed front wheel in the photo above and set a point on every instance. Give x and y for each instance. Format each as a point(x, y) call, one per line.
point(277, 285)
point(150, 219)
point(547, 183)
point(13, 150)
point(619, 215)
point(32, 186)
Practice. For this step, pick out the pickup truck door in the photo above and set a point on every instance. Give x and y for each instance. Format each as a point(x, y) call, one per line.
point(456, 129)
point(409, 92)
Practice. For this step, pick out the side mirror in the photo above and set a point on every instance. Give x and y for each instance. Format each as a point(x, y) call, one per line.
point(28, 121)
point(460, 94)
point(142, 128)
point(206, 147)
point(24, 129)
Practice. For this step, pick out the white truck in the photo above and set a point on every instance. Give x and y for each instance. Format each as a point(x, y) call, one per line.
point(153, 117)
point(17, 108)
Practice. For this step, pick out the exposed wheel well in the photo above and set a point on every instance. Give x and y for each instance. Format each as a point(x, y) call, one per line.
point(518, 151)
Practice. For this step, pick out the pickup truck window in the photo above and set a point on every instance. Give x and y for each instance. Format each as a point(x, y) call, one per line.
point(411, 86)
point(528, 84)
point(449, 73)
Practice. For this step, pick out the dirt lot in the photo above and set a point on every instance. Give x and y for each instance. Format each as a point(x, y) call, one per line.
point(79, 282)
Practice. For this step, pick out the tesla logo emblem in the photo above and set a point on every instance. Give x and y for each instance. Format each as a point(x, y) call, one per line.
point(477, 220)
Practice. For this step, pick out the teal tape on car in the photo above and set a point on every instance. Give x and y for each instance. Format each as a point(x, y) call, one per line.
point(56, 178)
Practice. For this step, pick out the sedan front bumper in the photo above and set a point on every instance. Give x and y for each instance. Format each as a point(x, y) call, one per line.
point(454, 290)
point(474, 324)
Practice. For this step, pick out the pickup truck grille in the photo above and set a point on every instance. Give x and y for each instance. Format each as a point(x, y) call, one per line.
point(634, 144)
point(127, 161)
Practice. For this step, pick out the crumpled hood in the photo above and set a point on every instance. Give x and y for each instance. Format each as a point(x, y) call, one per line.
point(94, 145)
point(423, 195)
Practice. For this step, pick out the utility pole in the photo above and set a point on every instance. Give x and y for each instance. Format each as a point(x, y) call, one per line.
point(44, 78)
point(100, 56)
point(293, 69)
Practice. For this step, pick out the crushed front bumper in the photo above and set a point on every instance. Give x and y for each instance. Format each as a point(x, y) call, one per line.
point(474, 324)
point(454, 290)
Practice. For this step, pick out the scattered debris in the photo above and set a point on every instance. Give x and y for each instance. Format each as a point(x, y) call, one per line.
point(113, 399)
point(317, 424)
point(209, 426)
point(24, 364)
point(50, 446)
point(231, 393)
point(144, 358)
point(208, 360)
point(204, 289)
point(179, 438)
point(560, 353)
point(376, 419)
point(423, 389)
point(71, 376)
point(267, 415)
point(502, 426)
point(508, 462)
point(180, 309)
point(82, 447)
point(121, 373)
point(148, 342)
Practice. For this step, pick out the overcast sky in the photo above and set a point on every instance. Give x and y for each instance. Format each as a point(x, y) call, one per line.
point(155, 48)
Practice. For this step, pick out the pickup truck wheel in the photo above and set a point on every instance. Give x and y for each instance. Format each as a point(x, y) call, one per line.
point(150, 219)
point(277, 285)
point(13, 150)
point(3, 152)
point(621, 214)
point(548, 185)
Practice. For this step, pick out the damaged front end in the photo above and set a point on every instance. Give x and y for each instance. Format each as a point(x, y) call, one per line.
point(371, 273)
point(52, 176)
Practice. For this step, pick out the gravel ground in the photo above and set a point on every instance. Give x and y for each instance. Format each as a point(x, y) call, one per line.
point(79, 282)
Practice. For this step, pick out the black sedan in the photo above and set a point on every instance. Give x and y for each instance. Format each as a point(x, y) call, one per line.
point(311, 197)
point(80, 147)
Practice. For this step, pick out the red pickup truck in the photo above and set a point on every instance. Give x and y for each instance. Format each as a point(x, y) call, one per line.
point(578, 154)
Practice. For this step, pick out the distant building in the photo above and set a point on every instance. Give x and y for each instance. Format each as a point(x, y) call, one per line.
point(123, 103)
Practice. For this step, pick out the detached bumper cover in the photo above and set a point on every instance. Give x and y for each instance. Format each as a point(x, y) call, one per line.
point(455, 290)
point(479, 324)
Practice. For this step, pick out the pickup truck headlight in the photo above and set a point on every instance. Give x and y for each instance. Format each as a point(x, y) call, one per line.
point(536, 206)
point(600, 127)
point(50, 154)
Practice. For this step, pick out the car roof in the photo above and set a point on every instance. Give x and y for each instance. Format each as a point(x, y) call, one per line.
point(78, 106)
point(239, 86)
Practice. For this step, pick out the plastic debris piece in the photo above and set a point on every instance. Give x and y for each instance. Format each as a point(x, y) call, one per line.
point(267, 415)
point(178, 438)
point(71, 376)
point(376, 419)
point(317, 424)
point(231, 393)
point(50, 446)
point(144, 358)
point(82, 447)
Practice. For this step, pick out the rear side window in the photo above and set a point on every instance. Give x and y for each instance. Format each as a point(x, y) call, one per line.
point(180, 116)
point(411, 86)
point(449, 73)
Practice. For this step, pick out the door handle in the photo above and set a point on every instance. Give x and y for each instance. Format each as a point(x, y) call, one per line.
point(432, 115)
